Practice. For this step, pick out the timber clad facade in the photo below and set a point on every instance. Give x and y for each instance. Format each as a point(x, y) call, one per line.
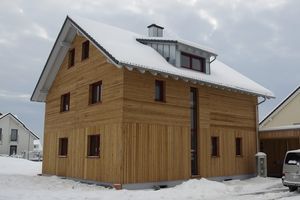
point(142, 140)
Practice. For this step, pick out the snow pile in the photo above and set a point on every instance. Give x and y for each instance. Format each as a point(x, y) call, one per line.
point(17, 166)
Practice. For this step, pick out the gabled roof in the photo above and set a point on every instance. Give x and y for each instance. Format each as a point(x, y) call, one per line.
point(123, 50)
point(281, 105)
point(18, 121)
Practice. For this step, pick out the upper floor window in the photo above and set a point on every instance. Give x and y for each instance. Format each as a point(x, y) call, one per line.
point(65, 102)
point(192, 62)
point(159, 90)
point(71, 58)
point(63, 147)
point(0, 134)
point(93, 145)
point(14, 135)
point(95, 92)
point(215, 146)
point(85, 50)
point(238, 146)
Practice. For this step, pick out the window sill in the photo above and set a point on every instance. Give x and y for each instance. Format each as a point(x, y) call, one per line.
point(215, 156)
point(195, 176)
point(84, 59)
point(159, 101)
point(61, 156)
point(94, 104)
point(239, 156)
point(64, 111)
point(93, 157)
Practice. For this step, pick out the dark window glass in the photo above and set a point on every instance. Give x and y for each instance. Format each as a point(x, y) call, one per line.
point(71, 58)
point(13, 150)
point(0, 134)
point(63, 147)
point(65, 102)
point(85, 50)
point(95, 92)
point(93, 145)
point(238, 146)
point(159, 91)
point(14, 135)
point(292, 158)
point(194, 145)
point(214, 146)
point(192, 62)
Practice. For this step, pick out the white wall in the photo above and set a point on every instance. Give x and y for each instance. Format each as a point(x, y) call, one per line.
point(25, 138)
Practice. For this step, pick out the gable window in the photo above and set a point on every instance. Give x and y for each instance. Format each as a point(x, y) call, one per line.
point(85, 50)
point(63, 147)
point(238, 146)
point(95, 92)
point(14, 135)
point(0, 135)
point(159, 90)
point(192, 62)
point(93, 145)
point(65, 102)
point(71, 58)
point(215, 146)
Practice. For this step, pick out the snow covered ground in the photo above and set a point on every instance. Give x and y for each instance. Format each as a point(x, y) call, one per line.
point(19, 180)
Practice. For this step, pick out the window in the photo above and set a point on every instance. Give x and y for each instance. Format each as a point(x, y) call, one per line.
point(65, 102)
point(93, 145)
point(85, 50)
point(71, 58)
point(14, 135)
point(192, 62)
point(159, 90)
point(13, 150)
point(238, 146)
point(292, 158)
point(63, 147)
point(95, 92)
point(0, 134)
point(215, 146)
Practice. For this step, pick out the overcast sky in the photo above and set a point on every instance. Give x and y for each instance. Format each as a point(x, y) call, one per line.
point(259, 38)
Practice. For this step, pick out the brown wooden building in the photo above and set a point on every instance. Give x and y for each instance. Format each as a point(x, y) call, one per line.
point(122, 108)
point(280, 132)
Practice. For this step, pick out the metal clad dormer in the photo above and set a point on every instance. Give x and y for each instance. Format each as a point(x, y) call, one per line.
point(155, 30)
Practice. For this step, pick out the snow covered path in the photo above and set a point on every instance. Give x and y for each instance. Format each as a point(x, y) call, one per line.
point(19, 180)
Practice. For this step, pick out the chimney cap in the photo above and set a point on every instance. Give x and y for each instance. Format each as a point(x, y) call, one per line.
point(155, 25)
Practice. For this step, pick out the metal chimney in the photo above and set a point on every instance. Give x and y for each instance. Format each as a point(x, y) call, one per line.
point(155, 30)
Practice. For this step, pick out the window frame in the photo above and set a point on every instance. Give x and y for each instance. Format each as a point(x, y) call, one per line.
point(63, 101)
point(71, 58)
point(90, 153)
point(215, 153)
point(0, 135)
point(240, 147)
point(11, 134)
point(91, 94)
point(191, 57)
point(85, 50)
point(162, 92)
point(63, 142)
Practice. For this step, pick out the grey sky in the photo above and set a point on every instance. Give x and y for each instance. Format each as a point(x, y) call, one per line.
point(259, 38)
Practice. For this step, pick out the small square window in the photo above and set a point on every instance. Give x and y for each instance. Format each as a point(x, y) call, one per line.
point(238, 146)
point(85, 50)
point(93, 145)
point(71, 58)
point(63, 147)
point(159, 90)
point(215, 146)
point(95, 92)
point(65, 102)
point(14, 135)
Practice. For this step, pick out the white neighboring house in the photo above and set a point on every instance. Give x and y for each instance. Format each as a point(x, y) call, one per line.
point(15, 138)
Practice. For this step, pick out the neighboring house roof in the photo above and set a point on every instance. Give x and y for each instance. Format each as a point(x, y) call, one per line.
point(123, 50)
point(280, 106)
point(19, 121)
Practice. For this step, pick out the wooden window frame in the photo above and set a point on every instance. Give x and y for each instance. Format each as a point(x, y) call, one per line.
point(85, 50)
point(240, 147)
point(91, 95)
point(63, 102)
point(162, 92)
point(213, 154)
point(11, 133)
point(63, 144)
point(71, 58)
point(90, 153)
point(191, 56)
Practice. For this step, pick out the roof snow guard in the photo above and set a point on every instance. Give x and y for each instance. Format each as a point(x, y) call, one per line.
point(123, 50)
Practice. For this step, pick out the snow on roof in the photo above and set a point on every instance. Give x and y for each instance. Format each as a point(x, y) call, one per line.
point(279, 128)
point(294, 151)
point(122, 49)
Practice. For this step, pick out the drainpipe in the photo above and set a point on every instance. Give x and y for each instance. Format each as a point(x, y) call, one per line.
point(28, 146)
point(257, 124)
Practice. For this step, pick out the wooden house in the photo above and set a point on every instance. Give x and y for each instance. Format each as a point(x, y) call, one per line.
point(122, 108)
point(279, 132)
